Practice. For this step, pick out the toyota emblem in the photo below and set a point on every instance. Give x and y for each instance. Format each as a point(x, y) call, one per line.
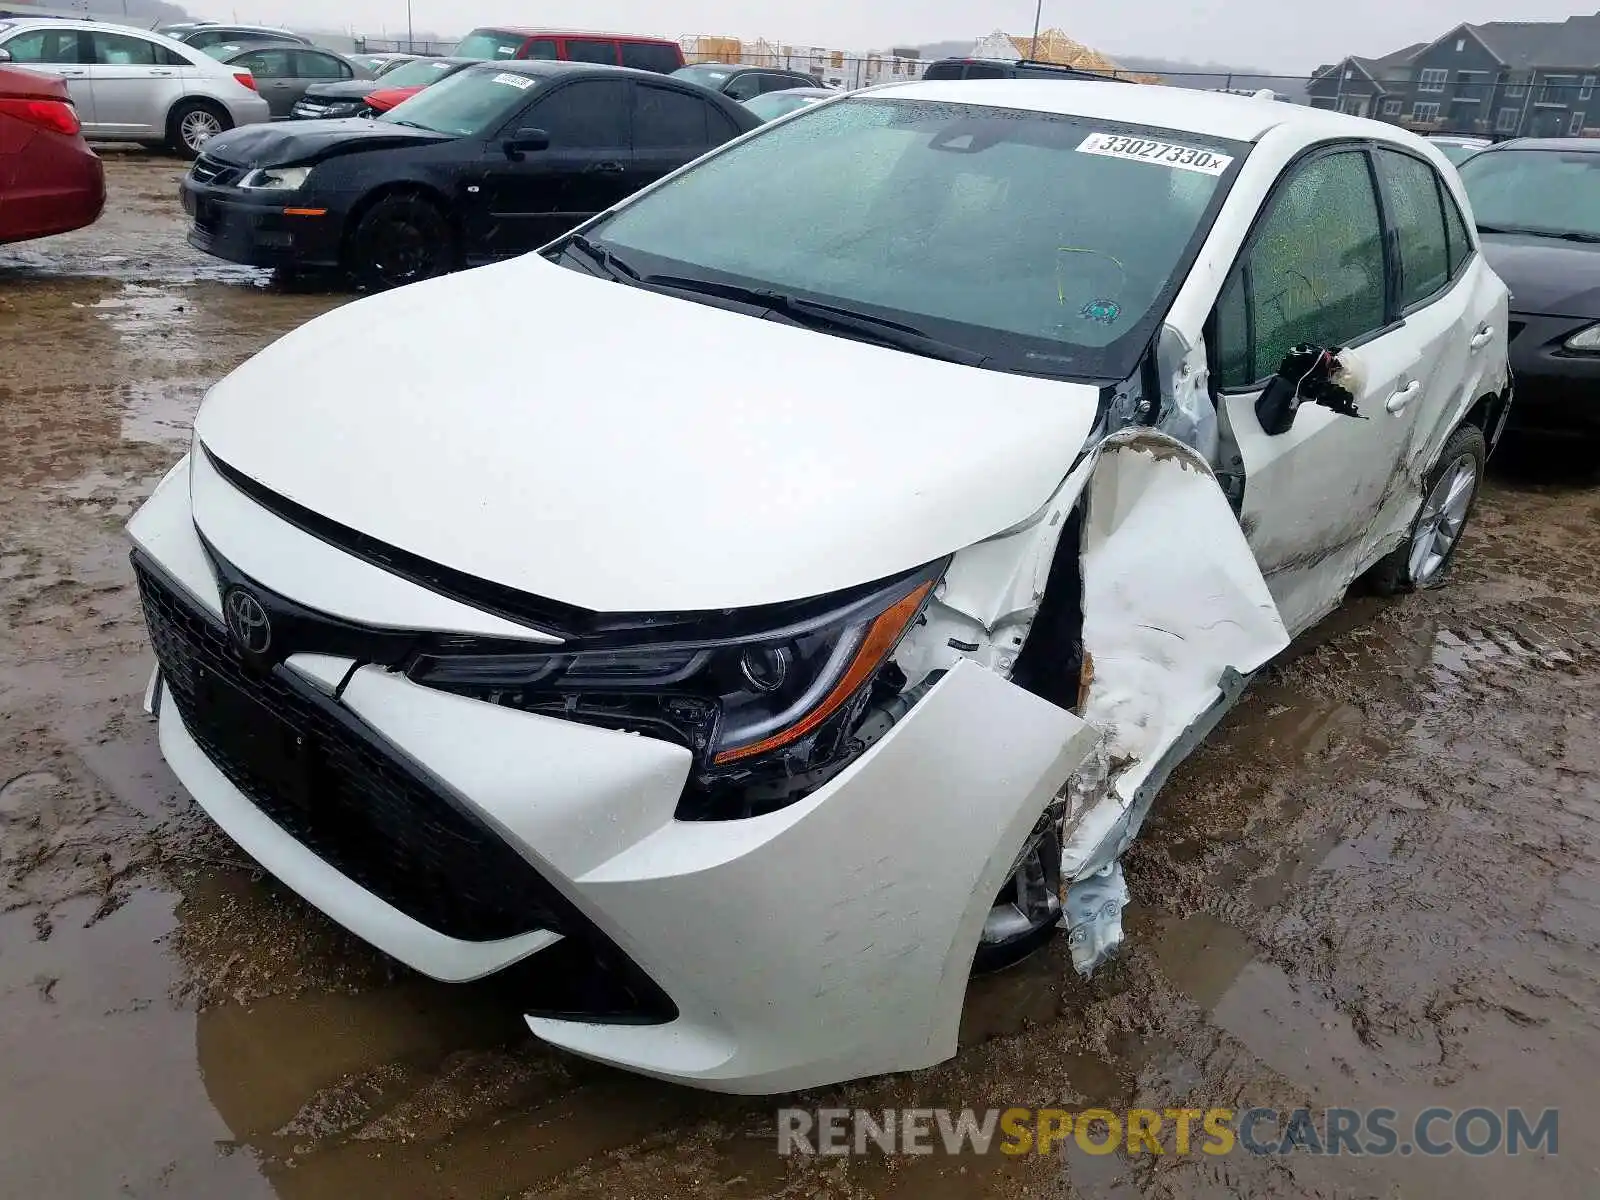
point(247, 621)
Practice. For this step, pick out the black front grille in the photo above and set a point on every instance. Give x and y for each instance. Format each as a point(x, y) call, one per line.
point(334, 786)
point(210, 171)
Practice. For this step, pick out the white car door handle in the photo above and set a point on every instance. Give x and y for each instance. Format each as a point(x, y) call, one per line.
point(1482, 337)
point(1404, 396)
point(159, 71)
point(77, 74)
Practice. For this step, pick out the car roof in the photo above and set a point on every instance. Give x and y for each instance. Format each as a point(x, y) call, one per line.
point(1215, 114)
point(245, 46)
point(555, 66)
point(1566, 145)
point(533, 31)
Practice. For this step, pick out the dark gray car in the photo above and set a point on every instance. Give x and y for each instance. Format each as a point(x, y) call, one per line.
point(284, 72)
point(744, 83)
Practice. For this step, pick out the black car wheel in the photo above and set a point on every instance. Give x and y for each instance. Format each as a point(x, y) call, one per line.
point(399, 240)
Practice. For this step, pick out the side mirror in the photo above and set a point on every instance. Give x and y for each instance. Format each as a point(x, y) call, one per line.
point(527, 141)
point(5, 55)
point(1308, 374)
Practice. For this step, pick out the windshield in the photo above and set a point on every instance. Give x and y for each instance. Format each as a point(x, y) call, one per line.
point(418, 74)
point(1535, 191)
point(1043, 242)
point(489, 45)
point(772, 105)
point(471, 103)
point(705, 76)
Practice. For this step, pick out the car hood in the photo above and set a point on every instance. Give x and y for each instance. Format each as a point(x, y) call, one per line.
point(1546, 276)
point(623, 450)
point(282, 143)
point(344, 89)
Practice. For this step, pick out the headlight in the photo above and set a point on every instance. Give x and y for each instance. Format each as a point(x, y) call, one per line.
point(276, 179)
point(760, 692)
point(1585, 340)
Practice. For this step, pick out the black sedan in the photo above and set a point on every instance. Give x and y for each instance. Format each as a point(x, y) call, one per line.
point(494, 161)
point(1537, 204)
point(348, 97)
point(744, 83)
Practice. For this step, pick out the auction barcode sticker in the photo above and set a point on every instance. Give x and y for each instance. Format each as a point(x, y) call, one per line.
point(1166, 154)
point(520, 82)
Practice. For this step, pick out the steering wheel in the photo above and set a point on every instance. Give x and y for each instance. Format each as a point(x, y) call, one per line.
point(1092, 279)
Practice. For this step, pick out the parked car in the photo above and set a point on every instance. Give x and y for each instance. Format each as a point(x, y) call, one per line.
point(496, 160)
point(402, 85)
point(284, 74)
point(133, 85)
point(1538, 210)
point(203, 35)
point(769, 106)
point(745, 83)
point(1456, 148)
point(354, 98)
point(768, 716)
point(50, 181)
point(1020, 68)
point(502, 44)
point(382, 64)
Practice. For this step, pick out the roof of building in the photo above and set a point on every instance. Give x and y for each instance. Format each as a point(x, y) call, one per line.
point(1574, 42)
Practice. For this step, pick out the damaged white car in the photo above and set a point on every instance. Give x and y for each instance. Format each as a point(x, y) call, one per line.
point(747, 614)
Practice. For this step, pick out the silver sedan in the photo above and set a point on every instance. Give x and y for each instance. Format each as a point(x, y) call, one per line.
point(133, 85)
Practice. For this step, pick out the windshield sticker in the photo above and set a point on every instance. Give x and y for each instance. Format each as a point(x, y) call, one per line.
point(1166, 154)
point(1102, 312)
point(520, 82)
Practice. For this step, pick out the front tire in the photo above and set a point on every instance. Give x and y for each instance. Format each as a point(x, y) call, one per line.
point(194, 123)
point(1423, 560)
point(399, 240)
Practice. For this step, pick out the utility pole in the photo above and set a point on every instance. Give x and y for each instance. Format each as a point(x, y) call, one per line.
point(1038, 10)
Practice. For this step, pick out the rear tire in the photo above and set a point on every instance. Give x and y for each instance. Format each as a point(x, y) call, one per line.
point(399, 240)
point(192, 124)
point(1423, 560)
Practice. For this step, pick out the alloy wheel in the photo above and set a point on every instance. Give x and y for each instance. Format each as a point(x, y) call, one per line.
point(198, 128)
point(1443, 516)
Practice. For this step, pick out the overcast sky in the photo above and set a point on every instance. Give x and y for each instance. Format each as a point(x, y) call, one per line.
point(1286, 35)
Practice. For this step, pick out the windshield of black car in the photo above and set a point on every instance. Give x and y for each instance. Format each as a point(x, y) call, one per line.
point(1051, 243)
point(1538, 191)
point(470, 103)
point(417, 74)
point(488, 44)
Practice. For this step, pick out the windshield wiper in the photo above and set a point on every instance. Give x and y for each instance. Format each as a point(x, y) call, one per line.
point(601, 257)
point(814, 314)
point(1564, 235)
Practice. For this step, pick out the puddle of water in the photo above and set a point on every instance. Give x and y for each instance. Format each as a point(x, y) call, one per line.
point(161, 412)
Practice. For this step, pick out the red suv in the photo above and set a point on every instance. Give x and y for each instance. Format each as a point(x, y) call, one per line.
point(502, 43)
point(50, 181)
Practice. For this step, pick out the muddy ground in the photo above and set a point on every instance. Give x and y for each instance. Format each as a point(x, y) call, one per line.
point(1377, 885)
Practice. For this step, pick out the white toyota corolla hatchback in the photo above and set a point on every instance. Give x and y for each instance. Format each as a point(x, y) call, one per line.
point(750, 613)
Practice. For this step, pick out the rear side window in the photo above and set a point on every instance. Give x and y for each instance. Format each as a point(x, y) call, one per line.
point(986, 71)
point(490, 45)
point(943, 70)
point(1314, 272)
point(743, 87)
point(1456, 230)
point(651, 56)
point(268, 64)
point(1412, 189)
point(591, 114)
point(311, 65)
point(586, 50)
point(543, 48)
point(669, 120)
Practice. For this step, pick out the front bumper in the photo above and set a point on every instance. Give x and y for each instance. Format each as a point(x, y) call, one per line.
point(823, 942)
point(312, 109)
point(261, 229)
point(1558, 391)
